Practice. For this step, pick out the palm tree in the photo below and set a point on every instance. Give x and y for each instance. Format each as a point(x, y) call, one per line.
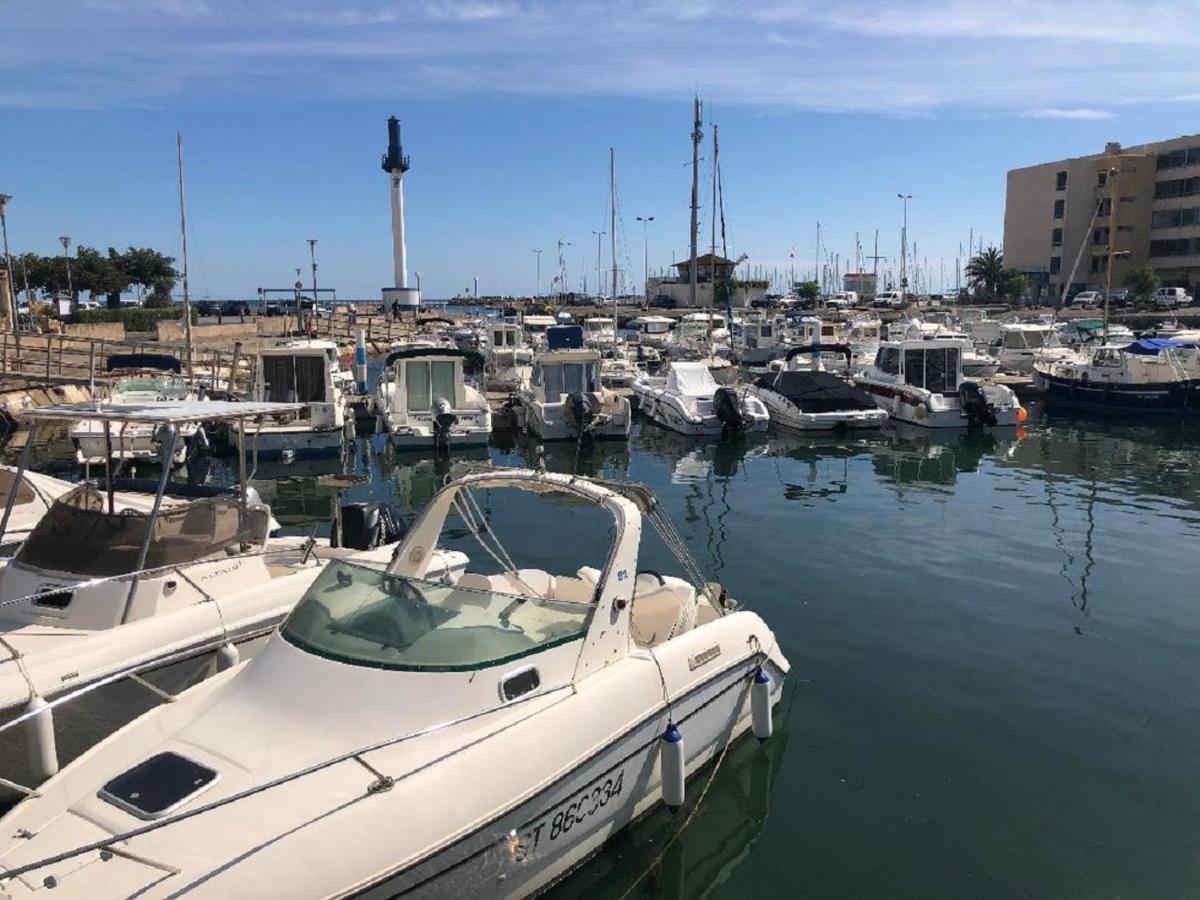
point(985, 270)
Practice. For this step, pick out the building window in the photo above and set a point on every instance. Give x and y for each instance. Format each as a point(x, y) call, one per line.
point(1128, 199)
point(1100, 237)
point(1177, 187)
point(1175, 218)
point(1189, 156)
point(1124, 228)
point(1100, 263)
point(1101, 178)
point(1175, 247)
point(1056, 238)
point(1105, 208)
point(1060, 181)
point(1059, 207)
point(1055, 265)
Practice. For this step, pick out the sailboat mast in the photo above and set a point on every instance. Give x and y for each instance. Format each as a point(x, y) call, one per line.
point(697, 137)
point(713, 277)
point(612, 231)
point(187, 297)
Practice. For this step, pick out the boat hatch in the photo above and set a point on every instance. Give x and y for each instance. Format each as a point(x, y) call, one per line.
point(103, 544)
point(935, 369)
point(520, 683)
point(158, 785)
point(361, 616)
point(294, 379)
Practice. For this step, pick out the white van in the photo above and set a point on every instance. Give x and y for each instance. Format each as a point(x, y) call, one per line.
point(890, 300)
point(1171, 297)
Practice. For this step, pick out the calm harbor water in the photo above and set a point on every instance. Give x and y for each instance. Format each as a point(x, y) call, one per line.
point(993, 642)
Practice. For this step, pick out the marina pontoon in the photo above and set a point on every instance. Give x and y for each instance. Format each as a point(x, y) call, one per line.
point(402, 735)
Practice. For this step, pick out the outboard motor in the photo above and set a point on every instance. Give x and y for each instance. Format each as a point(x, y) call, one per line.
point(366, 526)
point(975, 405)
point(580, 412)
point(728, 408)
point(443, 421)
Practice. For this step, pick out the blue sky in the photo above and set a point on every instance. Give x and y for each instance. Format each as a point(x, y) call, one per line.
point(509, 108)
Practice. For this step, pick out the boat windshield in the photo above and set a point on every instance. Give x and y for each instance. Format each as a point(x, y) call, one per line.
point(362, 616)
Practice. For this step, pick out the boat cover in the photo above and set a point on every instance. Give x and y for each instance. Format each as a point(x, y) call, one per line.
point(162, 361)
point(691, 379)
point(1153, 346)
point(564, 337)
point(817, 392)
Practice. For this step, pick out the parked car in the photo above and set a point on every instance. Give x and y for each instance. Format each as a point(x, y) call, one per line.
point(272, 308)
point(836, 301)
point(235, 308)
point(662, 301)
point(1171, 298)
point(207, 308)
point(1087, 300)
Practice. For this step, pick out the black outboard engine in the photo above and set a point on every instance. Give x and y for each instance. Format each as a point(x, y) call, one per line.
point(580, 412)
point(975, 405)
point(366, 526)
point(443, 421)
point(728, 408)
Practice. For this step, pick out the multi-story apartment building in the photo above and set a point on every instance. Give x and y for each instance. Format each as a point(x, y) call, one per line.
point(1065, 220)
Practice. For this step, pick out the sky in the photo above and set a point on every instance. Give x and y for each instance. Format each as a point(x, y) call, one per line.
point(509, 108)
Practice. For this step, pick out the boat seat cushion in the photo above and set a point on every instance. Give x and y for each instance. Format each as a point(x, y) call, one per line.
point(661, 610)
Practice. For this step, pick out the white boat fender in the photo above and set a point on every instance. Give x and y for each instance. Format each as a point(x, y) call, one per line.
point(672, 765)
point(227, 657)
point(39, 732)
point(760, 705)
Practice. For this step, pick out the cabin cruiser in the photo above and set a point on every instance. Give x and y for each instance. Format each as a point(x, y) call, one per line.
point(863, 335)
point(407, 735)
point(96, 590)
point(652, 331)
point(565, 400)
point(689, 400)
point(536, 328)
point(921, 381)
point(1022, 342)
point(980, 327)
point(1151, 373)
point(617, 370)
point(762, 340)
point(599, 332)
point(304, 374)
point(805, 398)
point(138, 378)
point(509, 360)
point(975, 364)
point(424, 401)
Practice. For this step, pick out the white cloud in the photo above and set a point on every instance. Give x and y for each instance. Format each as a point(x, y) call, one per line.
point(1066, 59)
point(1081, 114)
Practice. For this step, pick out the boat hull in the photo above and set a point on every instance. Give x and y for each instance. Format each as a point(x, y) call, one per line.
point(787, 415)
point(911, 408)
point(298, 443)
point(1176, 396)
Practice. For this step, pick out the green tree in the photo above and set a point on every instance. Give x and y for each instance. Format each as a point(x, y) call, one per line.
point(101, 274)
point(1011, 284)
point(985, 271)
point(150, 270)
point(1142, 283)
point(808, 290)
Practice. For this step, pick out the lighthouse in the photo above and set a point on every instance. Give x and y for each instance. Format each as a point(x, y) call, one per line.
point(395, 163)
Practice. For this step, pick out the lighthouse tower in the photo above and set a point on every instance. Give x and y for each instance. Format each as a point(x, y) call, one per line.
point(395, 163)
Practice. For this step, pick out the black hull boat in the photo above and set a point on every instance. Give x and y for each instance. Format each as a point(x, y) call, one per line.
point(1168, 396)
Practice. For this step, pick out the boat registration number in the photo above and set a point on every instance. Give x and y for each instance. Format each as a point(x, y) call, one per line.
point(559, 823)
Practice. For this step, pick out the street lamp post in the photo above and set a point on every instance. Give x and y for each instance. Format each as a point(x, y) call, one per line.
point(66, 245)
point(8, 269)
point(645, 258)
point(538, 284)
point(599, 269)
point(904, 198)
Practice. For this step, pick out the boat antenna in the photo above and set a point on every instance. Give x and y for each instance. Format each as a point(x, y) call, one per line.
point(187, 297)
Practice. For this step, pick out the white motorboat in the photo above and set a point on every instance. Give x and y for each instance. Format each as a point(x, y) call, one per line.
point(96, 590)
point(689, 400)
point(599, 332)
point(762, 340)
point(618, 371)
point(1148, 374)
point(509, 359)
point(425, 403)
point(406, 736)
point(138, 378)
point(300, 372)
point(921, 381)
point(565, 400)
point(975, 363)
point(652, 331)
point(1020, 342)
point(805, 398)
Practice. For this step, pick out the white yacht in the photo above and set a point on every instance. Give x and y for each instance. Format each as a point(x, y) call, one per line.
point(806, 398)
point(762, 340)
point(509, 358)
point(96, 590)
point(599, 332)
point(423, 400)
point(1021, 342)
point(921, 381)
point(565, 400)
point(308, 375)
point(652, 331)
point(689, 400)
point(975, 363)
point(138, 378)
point(1148, 374)
point(404, 736)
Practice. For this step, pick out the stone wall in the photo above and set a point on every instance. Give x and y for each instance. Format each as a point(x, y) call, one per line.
point(110, 331)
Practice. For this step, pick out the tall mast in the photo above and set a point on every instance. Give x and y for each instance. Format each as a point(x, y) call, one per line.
point(712, 278)
point(612, 231)
point(187, 297)
point(697, 137)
